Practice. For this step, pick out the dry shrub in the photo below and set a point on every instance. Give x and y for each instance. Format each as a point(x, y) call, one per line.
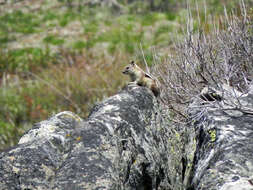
point(221, 60)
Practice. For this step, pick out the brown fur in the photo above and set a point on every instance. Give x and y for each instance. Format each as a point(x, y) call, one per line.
point(138, 76)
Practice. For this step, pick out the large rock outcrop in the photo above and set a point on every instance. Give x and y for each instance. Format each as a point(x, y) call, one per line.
point(129, 142)
point(67, 152)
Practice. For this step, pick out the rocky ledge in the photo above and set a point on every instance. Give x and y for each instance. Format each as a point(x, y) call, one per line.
point(128, 142)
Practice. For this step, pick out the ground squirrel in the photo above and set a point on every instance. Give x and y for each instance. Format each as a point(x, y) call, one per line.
point(141, 78)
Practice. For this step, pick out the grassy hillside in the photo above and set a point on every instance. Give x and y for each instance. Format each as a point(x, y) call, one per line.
point(67, 55)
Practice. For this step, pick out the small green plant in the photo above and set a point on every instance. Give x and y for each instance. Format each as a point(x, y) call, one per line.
point(79, 45)
point(149, 19)
point(91, 27)
point(163, 35)
point(53, 39)
point(67, 17)
point(171, 16)
point(49, 16)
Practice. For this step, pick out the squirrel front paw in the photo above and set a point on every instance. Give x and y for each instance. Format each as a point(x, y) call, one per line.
point(132, 83)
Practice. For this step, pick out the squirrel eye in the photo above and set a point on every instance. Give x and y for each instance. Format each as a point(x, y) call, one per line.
point(127, 68)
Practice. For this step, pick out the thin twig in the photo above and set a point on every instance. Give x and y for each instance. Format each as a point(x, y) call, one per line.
point(147, 68)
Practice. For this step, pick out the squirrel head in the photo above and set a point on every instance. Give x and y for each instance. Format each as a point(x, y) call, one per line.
point(129, 69)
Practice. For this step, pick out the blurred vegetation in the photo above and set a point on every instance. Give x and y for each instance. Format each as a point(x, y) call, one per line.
point(68, 54)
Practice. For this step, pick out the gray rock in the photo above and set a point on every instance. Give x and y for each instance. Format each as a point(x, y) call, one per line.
point(128, 142)
point(67, 152)
point(224, 137)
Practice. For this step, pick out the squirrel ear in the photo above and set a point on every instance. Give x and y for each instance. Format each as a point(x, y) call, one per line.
point(132, 63)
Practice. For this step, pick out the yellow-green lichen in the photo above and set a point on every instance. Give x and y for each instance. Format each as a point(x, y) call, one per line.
point(212, 134)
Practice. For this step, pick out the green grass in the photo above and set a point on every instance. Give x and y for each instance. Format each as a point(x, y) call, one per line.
point(67, 17)
point(13, 113)
point(51, 15)
point(79, 45)
point(54, 40)
point(20, 22)
point(25, 59)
